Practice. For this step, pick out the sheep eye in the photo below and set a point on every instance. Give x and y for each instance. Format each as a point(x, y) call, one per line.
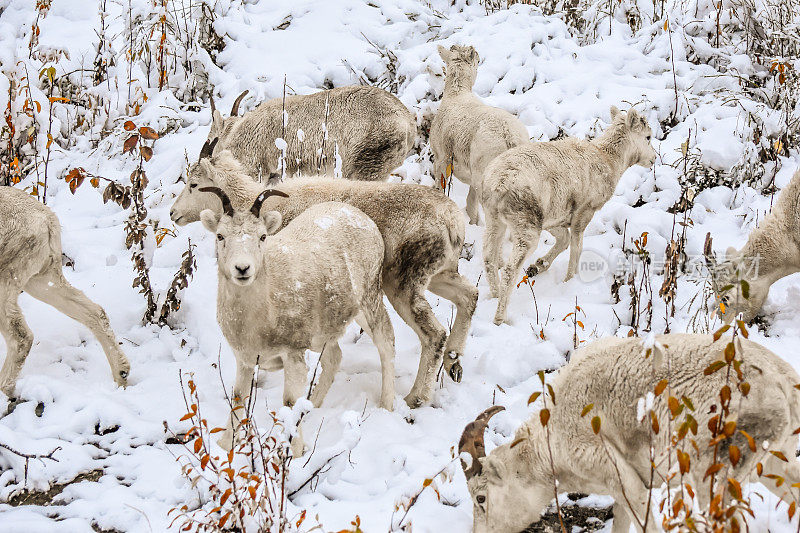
point(193, 186)
point(481, 499)
point(648, 137)
point(220, 237)
point(264, 237)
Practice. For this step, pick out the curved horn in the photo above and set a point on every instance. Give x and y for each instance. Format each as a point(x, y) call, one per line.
point(227, 208)
point(235, 108)
point(256, 209)
point(472, 440)
point(208, 148)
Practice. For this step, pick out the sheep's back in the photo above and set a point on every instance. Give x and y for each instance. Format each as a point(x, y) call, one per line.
point(29, 235)
point(421, 227)
point(364, 126)
point(614, 375)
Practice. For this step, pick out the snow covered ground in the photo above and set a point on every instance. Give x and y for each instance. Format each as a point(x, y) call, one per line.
point(532, 66)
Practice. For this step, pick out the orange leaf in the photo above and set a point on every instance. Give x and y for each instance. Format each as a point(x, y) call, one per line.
point(734, 454)
point(198, 444)
point(130, 143)
point(147, 152)
point(587, 409)
point(148, 133)
point(660, 386)
point(544, 416)
point(779, 455)
point(129, 125)
point(713, 469)
point(596, 425)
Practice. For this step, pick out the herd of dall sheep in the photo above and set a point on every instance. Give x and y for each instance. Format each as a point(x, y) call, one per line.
point(301, 260)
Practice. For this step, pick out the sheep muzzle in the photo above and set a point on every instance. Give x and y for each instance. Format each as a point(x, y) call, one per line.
point(472, 440)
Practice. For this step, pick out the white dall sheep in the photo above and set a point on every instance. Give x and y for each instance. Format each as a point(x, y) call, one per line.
point(369, 129)
point(282, 294)
point(30, 261)
point(772, 252)
point(423, 232)
point(513, 484)
point(465, 131)
point(555, 186)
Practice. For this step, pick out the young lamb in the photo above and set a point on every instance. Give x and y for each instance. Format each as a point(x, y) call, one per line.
point(370, 130)
point(423, 232)
point(467, 132)
point(772, 252)
point(512, 485)
point(555, 186)
point(281, 294)
point(30, 261)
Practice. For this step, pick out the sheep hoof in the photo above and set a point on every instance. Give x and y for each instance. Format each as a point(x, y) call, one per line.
point(456, 372)
point(413, 401)
point(499, 319)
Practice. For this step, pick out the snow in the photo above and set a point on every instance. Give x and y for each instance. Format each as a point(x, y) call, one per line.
point(531, 65)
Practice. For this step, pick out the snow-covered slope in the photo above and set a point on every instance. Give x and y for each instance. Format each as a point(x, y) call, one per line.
point(532, 65)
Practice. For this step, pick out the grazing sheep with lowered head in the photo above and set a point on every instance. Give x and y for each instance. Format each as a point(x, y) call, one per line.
point(368, 128)
point(467, 132)
point(423, 232)
point(772, 252)
point(513, 484)
point(555, 186)
point(281, 294)
point(30, 261)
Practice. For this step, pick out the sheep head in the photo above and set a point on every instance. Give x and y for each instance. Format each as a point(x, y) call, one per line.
point(209, 171)
point(241, 235)
point(634, 128)
point(503, 498)
point(461, 64)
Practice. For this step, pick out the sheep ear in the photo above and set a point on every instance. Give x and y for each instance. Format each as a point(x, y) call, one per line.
point(216, 121)
point(444, 53)
point(207, 171)
point(493, 469)
point(210, 219)
point(614, 112)
point(473, 55)
point(633, 119)
point(273, 220)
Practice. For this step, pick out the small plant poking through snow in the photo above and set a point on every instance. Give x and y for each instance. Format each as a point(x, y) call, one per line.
point(244, 489)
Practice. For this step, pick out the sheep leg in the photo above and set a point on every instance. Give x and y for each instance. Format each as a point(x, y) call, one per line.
point(493, 252)
point(414, 309)
point(622, 520)
point(439, 168)
point(51, 287)
point(453, 286)
point(242, 385)
point(576, 244)
point(380, 330)
point(18, 336)
point(523, 241)
point(295, 371)
point(472, 206)
point(562, 241)
point(330, 360)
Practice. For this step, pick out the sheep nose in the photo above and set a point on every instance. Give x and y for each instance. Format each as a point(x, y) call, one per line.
point(172, 214)
point(242, 270)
